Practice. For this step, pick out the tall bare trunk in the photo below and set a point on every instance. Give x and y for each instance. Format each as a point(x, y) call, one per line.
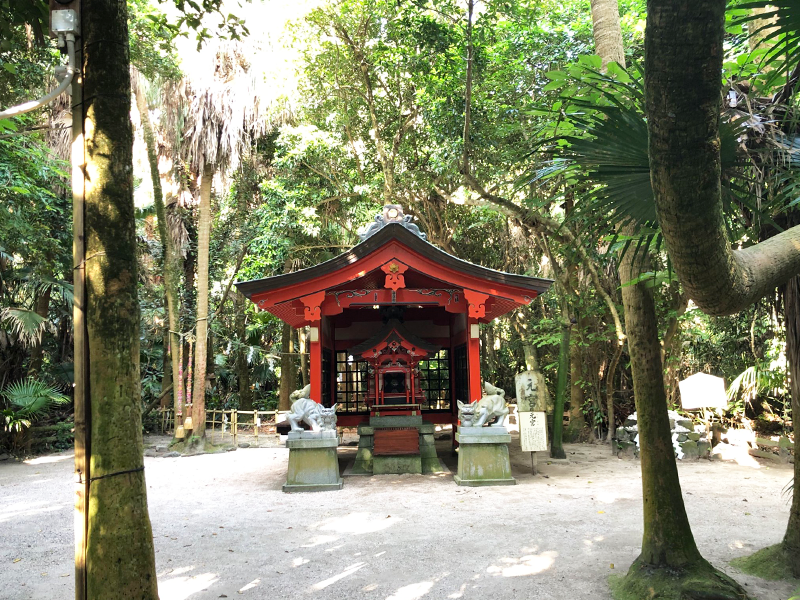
point(303, 348)
point(288, 374)
point(607, 32)
point(242, 368)
point(201, 349)
point(120, 561)
point(172, 258)
point(556, 447)
point(42, 309)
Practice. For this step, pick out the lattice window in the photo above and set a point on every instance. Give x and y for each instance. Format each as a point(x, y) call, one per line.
point(351, 383)
point(327, 359)
point(435, 380)
point(461, 373)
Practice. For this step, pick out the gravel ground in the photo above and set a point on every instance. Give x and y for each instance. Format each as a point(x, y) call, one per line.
point(558, 534)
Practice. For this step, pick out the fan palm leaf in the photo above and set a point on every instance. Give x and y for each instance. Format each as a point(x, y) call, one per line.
point(32, 398)
point(776, 23)
point(25, 324)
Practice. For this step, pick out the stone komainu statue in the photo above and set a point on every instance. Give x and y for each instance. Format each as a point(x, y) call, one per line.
point(314, 414)
point(491, 407)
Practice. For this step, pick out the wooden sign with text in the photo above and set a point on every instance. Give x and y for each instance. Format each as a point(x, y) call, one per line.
point(532, 431)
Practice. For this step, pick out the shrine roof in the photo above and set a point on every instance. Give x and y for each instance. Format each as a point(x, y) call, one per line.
point(394, 329)
point(388, 233)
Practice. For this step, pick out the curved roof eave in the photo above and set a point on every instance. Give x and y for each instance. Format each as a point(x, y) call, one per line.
point(373, 243)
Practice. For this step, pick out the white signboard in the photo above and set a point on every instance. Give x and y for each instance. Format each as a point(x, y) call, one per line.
point(702, 390)
point(532, 431)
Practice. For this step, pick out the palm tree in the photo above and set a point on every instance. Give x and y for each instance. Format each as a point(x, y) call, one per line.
point(228, 108)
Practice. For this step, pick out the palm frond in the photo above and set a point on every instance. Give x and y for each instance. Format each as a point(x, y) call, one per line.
point(24, 323)
point(32, 398)
point(776, 23)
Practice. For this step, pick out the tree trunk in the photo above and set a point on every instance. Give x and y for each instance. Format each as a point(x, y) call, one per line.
point(612, 370)
point(42, 309)
point(120, 561)
point(791, 539)
point(668, 539)
point(303, 348)
point(683, 66)
point(607, 32)
point(288, 374)
point(242, 368)
point(201, 349)
point(166, 377)
point(667, 542)
point(577, 397)
point(556, 447)
point(172, 258)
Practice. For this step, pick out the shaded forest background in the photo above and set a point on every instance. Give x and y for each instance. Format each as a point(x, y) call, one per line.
point(493, 123)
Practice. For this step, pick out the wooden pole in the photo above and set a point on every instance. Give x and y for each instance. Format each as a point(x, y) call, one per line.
point(83, 445)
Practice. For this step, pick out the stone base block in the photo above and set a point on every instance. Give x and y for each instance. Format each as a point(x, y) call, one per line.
point(385, 465)
point(483, 457)
point(313, 465)
point(483, 482)
point(319, 487)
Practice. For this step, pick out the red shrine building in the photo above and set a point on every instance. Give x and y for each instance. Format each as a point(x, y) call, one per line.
point(394, 322)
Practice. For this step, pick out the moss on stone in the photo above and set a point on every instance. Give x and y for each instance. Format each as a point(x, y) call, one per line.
point(768, 563)
point(700, 581)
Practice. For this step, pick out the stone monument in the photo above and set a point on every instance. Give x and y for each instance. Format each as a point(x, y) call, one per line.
point(483, 441)
point(313, 463)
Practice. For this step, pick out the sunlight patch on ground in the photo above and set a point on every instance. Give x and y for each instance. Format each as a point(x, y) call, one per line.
point(43, 460)
point(412, 592)
point(331, 580)
point(250, 586)
point(319, 540)
point(358, 523)
point(27, 509)
point(180, 588)
point(527, 565)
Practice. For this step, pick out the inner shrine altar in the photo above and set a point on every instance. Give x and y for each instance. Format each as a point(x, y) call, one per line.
point(393, 336)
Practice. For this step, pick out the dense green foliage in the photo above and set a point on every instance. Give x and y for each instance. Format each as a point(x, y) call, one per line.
point(378, 113)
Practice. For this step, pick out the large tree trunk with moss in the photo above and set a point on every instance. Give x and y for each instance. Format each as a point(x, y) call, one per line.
point(120, 562)
point(171, 258)
point(683, 76)
point(201, 348)
point(683, 67)
point(669, 563)
point(791, 539)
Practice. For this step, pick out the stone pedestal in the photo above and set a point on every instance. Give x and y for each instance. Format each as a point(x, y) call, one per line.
point(313, 465)
point(483, 456)
point(427, 461)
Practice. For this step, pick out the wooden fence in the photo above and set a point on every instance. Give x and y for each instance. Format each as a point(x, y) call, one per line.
point(229, 425)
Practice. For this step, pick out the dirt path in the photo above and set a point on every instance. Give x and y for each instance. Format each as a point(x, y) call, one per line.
point(555, 535)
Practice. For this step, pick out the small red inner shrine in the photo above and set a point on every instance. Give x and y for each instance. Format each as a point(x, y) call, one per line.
point(394, 322)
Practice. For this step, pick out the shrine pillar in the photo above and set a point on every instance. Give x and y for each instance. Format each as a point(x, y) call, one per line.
point(313, 314)
point(476, 309)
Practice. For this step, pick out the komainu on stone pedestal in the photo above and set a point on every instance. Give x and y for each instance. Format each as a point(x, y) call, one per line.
point(491, 407)
point(313, 462)
point(483, 457)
